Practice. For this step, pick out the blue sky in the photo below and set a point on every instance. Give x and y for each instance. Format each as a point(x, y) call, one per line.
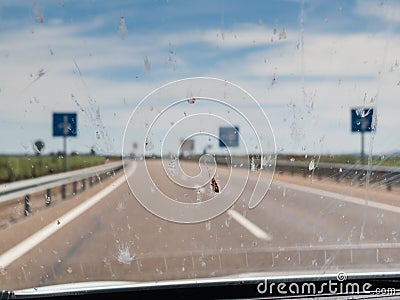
point(306, 62)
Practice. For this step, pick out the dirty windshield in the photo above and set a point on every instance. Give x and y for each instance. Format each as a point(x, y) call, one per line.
point(144, 141)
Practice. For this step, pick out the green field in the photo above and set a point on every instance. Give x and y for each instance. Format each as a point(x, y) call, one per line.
point(14, 168)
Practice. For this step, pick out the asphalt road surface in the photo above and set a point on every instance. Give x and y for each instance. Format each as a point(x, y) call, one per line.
point(111, 236)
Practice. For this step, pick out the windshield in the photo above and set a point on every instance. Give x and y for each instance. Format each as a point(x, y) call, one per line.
point(144, 141)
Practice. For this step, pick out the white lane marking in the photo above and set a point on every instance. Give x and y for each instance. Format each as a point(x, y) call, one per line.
point(340, 197)
point(26, 245)
point(251, 227)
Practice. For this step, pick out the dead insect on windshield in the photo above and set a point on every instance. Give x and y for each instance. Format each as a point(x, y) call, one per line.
point(214, 185)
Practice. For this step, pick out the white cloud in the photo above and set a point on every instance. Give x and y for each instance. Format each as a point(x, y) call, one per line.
point(325, 55)
point(388, 11)
point(339, 69)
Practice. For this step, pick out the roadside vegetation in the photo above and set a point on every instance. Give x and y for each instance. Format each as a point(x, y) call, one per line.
point(14, 167)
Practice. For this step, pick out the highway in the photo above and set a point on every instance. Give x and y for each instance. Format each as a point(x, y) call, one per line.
point(106, 234)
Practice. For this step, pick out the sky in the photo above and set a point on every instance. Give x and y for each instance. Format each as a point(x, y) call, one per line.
point(306, 63)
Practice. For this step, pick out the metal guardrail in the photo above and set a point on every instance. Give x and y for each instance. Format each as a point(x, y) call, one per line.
point(378, 175)
point(355, 173)
point(24, 188)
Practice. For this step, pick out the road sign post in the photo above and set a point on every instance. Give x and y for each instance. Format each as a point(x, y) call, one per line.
point(65, 154)
point(65, 125)
point(361, 121)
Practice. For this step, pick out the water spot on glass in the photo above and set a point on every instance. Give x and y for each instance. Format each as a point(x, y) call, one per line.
point(147, 66)
point(159, 271)
point(199, 196)
point(148, 145)
point(314, 262)
point(273, 81)
point(122, 31)
point(37, 10)
point(124, 254)
point(388, 260)
point(380, 218)
point(120, 206)
point(282, 34)
point(34, 100)
point(311, 165)
point(69, 270)
point(172, 167)
point(39, 74)
point(208, 226)
point(228, 221)
point(203, 264)
point(292, 159)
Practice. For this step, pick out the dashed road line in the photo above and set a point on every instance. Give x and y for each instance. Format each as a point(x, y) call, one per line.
point(250, 226)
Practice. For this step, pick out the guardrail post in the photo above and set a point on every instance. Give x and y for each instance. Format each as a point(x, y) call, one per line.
point(337, 177)
point(27, 209)
point(74, 188)
point(83, 184)
point(48, 197)
point(361, 178)
point(63, 195)
point(91, 181)
point(388, 185)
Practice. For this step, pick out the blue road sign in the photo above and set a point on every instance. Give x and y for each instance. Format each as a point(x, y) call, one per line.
point(229, 136)
point(64, 124)
point(361, 119)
